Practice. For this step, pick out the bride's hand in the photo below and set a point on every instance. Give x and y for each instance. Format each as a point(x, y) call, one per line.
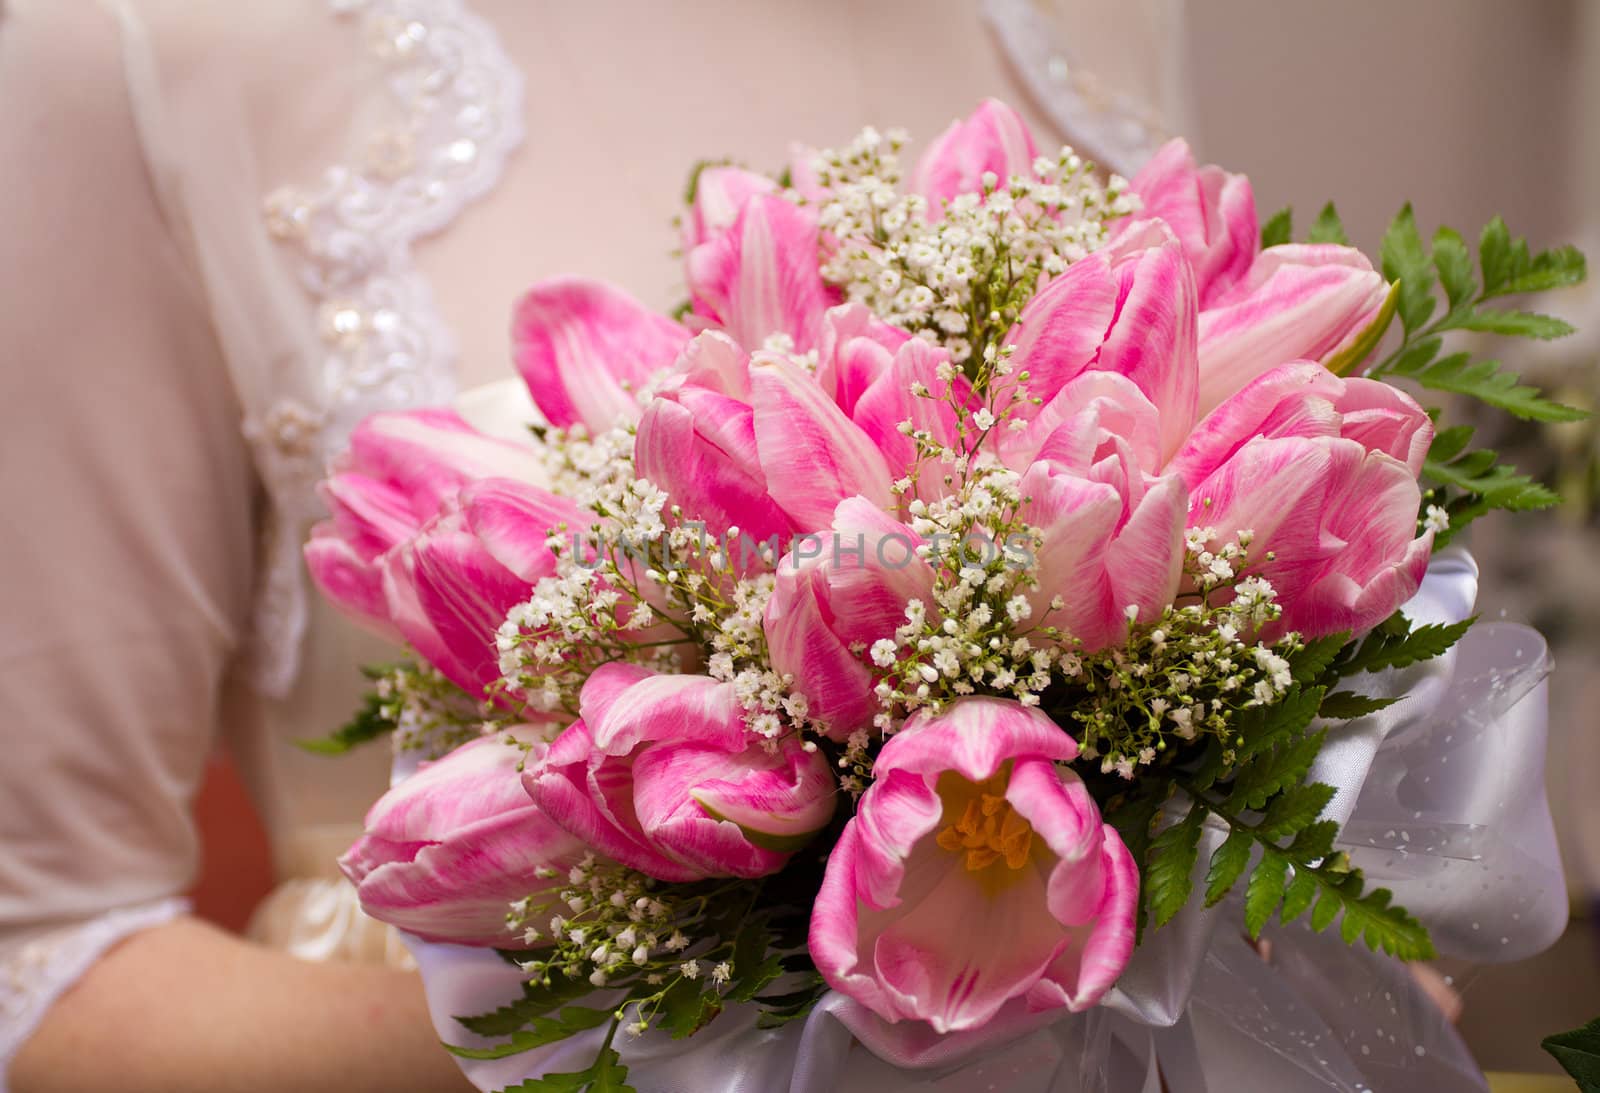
point(186, 1007)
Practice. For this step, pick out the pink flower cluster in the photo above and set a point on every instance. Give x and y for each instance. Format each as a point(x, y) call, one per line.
point(1173, 382)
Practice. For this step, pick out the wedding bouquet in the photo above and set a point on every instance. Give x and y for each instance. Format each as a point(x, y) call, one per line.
point(971, 579)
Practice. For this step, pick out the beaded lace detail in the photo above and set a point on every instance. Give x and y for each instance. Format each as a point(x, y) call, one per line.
point(454, 114)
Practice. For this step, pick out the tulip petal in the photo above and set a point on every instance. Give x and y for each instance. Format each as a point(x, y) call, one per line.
point(761, 277)
point(993, 139)
point(585, 349)
point(352, 583)
point(1212, 212)
point(1298, 302)
point(813, 456)
point(972, 737)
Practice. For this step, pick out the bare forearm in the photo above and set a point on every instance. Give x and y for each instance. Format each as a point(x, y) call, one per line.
point(187, 1007)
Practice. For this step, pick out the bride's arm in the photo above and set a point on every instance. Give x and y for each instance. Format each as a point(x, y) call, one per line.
point(186, 1007)
point(126, 558)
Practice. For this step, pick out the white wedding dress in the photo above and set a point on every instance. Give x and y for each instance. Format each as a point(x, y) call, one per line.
point(233, 230)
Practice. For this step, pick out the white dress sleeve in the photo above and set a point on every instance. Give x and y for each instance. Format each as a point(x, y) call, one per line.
point(128, 497)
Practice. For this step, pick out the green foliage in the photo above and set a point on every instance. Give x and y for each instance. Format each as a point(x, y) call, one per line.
point(1328, 228)
point(1278, 230)
point(537, 1000)
point(1484, 380)
point(1469, 484)
point(1255, 783)
point(539, 1031)
point(1578, 1052)
point(605, 1075)
point(1168, 876)
point(371, 722)
point(1396, 643)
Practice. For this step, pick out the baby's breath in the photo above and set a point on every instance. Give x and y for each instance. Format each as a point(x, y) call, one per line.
point(961, 276)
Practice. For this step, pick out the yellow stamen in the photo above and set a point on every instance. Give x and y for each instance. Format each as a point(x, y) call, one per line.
point(989, 830)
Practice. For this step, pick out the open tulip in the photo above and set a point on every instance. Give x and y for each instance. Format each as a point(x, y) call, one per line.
point(1333, 528)
point(836, 594)
point(448, 849)
point(1212, 212)
point(662, 774)
point(975, 871)
point(586, 348)
point(994, 139)
point(1296, 302)
point(399, 467)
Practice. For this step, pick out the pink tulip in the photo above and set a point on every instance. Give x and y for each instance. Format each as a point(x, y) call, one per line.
point(1303, 398)
point(399, 467)
point(450, 587)
point(1333, 528)
point(992, 140)
point(888, 401)
point(662, 775)
point(975, 871)
point(585, 349)
point(857, 348)
point(449, 849)
point(720, 195)
point(840, 591)
point(1297, 302)
point(714, 361)
point(699, 445)
point(811, 454)
point(1128, 308)
point(1212, 212)
point(1112, 541)
point(761, 276)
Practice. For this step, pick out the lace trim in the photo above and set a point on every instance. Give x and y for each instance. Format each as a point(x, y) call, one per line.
point(41, 971)
point(455, 105)
point(1118, 131)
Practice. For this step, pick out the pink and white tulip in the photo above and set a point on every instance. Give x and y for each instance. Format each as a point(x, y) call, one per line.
point(857, 348)
point(398, 469)
point(1302, 398)
point(836, 594)
point(1297, 302)
point(1128, 308)
point(975, 872)
point(1333, 528)
point(760, 277)
point(662, 774)
point(812, 456)
point(720, 195)
point(1212, 212)
point(699, 445)
point(447, 850)
point(586, 349)
point(1112, 545)
point(994, 139)
point(449, 588)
